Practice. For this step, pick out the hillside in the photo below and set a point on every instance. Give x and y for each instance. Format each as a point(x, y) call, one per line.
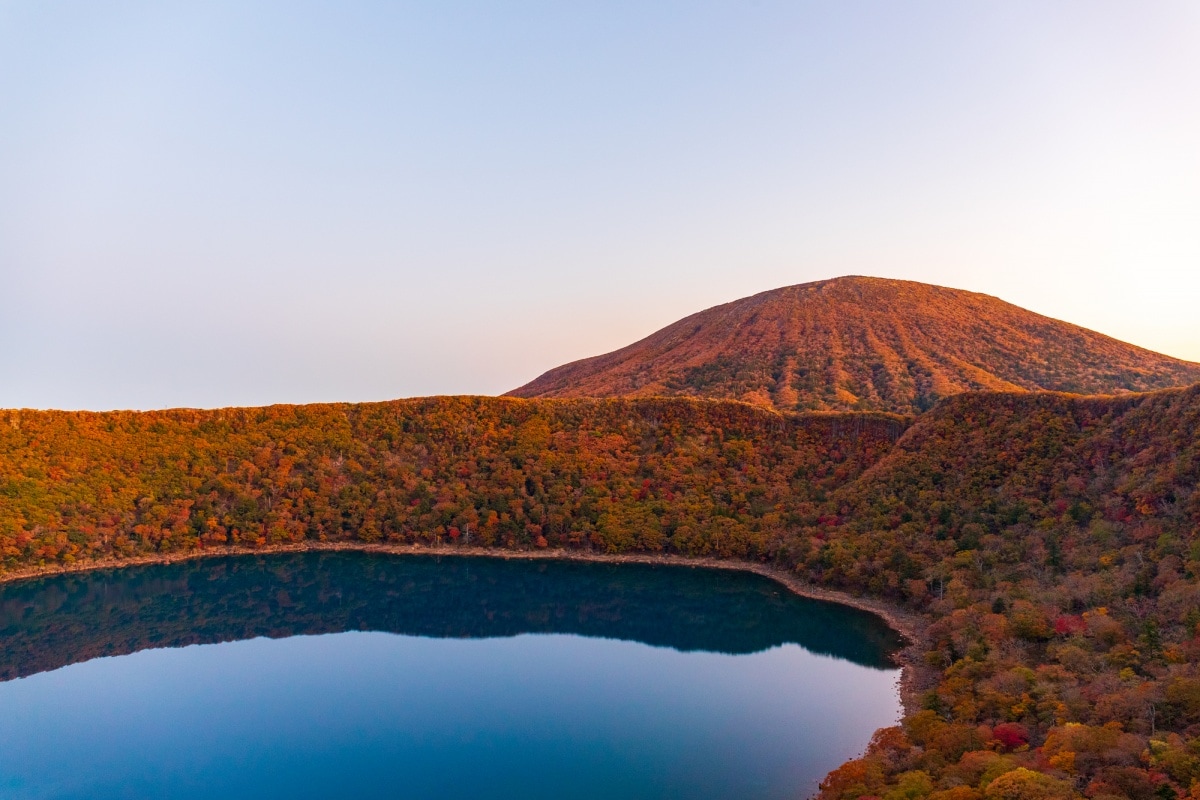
point(1055, 542)
point(694, 477)
point(1052, 541)
point(864, 344)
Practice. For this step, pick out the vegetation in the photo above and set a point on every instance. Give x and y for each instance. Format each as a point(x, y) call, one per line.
point(1055, 543)
point(690, 477)
point(1052, 541)
point(864, 344)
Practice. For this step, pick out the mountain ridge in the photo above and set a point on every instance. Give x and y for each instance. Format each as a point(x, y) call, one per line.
point(858, 343)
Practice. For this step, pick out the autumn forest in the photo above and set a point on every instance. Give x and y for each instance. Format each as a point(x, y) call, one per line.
point(1048, 542)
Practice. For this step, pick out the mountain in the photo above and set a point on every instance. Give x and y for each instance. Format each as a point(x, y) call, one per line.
point(858, 343)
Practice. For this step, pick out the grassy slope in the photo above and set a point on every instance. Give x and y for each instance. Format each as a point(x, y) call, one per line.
point(864, 344)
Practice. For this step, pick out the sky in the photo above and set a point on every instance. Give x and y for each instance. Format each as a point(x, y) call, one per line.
point(244, 203)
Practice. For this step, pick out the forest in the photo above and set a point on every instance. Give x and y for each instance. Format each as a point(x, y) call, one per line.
point(1052, 541)
point(684, 476)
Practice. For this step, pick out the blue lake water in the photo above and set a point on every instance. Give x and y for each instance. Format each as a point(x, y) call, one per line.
point(350, 675)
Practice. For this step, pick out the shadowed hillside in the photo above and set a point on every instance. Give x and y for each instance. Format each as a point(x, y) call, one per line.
point(864, 344)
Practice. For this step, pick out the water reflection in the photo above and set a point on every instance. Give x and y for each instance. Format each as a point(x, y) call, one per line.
point(52, 622)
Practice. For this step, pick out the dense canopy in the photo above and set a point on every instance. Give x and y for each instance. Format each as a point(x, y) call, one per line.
point(1051, 541)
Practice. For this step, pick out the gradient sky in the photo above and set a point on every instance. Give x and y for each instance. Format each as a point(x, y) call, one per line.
point(241, 203)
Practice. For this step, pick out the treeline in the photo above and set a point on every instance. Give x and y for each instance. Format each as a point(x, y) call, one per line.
point(691, 477)
point(1055, 543)
point(1052, 540)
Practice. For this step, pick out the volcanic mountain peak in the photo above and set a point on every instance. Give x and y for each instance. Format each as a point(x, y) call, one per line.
point(858, 343)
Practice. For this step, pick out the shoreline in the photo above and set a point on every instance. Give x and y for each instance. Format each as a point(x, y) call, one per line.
point(910, 626)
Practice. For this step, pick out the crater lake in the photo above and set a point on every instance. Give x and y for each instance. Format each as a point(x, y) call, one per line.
point(341, 674)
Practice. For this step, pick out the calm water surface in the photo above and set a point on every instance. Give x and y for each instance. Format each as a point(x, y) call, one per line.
point(321, 675)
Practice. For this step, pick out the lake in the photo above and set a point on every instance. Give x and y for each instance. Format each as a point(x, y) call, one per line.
point(317, 675)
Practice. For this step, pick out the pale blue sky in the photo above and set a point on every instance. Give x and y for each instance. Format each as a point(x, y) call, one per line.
point(217, 203)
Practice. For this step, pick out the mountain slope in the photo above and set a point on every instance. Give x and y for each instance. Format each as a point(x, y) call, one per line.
point(701, 477)
point(1054, 541)
point(864, 343)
